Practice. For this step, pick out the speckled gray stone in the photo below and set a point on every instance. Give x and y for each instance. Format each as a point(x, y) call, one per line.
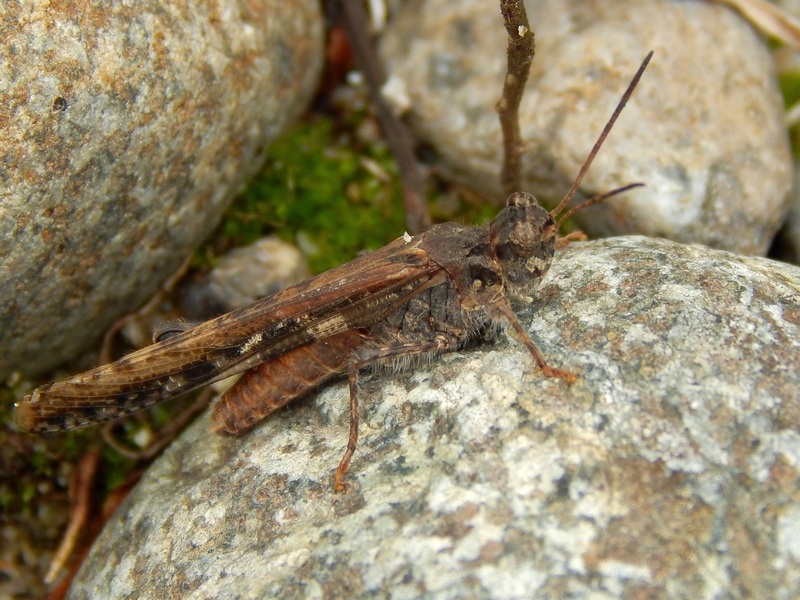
point(243, 276)
point(125, 130)
point(669, 469)
point(704, 130)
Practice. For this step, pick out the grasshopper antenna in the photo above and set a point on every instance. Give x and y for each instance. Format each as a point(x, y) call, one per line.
point(588, 162)
point(593, 200)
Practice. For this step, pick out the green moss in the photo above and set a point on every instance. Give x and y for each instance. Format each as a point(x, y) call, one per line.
point(789, 83)
point(75, 442)
point(6, 499)
point(319, 191)
point(27, 493)
point(8, 396)
point(116, 469)
point(41, 464)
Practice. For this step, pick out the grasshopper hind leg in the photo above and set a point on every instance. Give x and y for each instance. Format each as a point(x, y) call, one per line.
point(366, 357)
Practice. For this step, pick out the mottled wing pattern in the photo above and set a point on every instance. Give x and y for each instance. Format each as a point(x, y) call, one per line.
point(357, 294)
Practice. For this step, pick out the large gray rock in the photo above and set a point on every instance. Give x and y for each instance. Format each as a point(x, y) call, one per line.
point(670, 468)
point(243, 276)
point(704, 130)
point(125, 131)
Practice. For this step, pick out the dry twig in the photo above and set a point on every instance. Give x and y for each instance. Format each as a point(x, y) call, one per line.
point(81, 493)
point(521, 50)
point(770, 19)
point(164, 436)
point(397, 135)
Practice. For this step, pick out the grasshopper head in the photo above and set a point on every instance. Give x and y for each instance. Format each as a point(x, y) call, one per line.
point(523, 236)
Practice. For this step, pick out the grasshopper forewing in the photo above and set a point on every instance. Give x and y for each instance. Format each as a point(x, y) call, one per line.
point(355, 295)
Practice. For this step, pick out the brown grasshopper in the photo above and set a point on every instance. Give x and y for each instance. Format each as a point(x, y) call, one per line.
point(416, 297)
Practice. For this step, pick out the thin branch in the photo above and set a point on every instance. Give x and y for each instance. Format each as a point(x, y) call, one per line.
point(398, 137)
point(521, 50)
point(770, 19)
point(164, 436)
point(81, 493)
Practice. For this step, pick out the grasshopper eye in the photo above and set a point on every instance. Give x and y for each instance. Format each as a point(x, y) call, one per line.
point(170, 329)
